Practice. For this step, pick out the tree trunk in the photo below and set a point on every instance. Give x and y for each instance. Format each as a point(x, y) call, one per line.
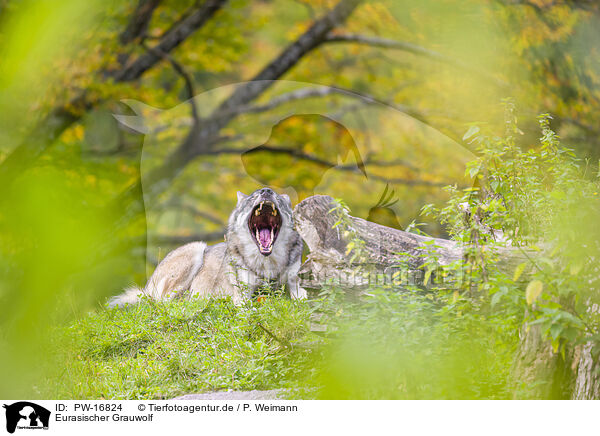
point(586, 366)
point(539, 372)
point(587, 372)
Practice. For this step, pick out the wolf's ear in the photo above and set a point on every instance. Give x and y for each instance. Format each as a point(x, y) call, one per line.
point(287, 199)
point(241, 196)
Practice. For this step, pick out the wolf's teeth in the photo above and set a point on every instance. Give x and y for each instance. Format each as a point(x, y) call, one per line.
point(261, 205)
point(256, 212)
point(274, 212)
point(257, 236)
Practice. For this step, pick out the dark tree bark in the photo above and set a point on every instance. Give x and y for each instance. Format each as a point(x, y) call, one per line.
point(587, 372)
point(138, 23)
point(38, 141)
point(169, 41)
point(291, 55)
point(586, 367)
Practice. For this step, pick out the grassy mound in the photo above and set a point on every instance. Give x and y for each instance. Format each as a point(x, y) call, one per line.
point(165, 349)
point(392, 345)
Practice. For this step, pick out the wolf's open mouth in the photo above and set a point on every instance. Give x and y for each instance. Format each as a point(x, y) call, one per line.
point(264, 224)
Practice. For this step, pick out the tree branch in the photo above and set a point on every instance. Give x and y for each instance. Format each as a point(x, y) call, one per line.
point(299, 94)
point(290, 56)
point(293, 152)
point(411, 48)
point(138, 23)
point(319, 91)
point(312, 92)
point(175, 202)
point(170, 40)
point(62, 117)
point(189, 84)
point(200, 140)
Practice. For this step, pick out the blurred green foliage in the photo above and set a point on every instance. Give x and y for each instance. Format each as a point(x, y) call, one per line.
point(544, 202)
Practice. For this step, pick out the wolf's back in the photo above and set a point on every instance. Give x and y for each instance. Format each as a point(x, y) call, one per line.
point(172, 276)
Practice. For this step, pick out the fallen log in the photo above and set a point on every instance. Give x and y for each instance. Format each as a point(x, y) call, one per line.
point(355, 253)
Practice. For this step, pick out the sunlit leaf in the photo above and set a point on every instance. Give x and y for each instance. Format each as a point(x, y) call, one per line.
point(473, 130)
point(518, 271)
point(427, 276)
point(575, 269)
point(495, 299)
point(534, 289)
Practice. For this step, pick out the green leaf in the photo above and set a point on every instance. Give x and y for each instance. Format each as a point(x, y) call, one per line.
point(534, 289)
point(575, 268)
point(426, 278)
point(556, 330)
point(473, 171)
point(518, 271)
point(495, 298)
point(473, 130)
point(570, 333)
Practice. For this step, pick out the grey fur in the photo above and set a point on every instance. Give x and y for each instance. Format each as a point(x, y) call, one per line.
point(234, 268)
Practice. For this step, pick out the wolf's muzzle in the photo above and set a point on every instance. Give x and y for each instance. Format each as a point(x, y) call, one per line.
point(264, 224)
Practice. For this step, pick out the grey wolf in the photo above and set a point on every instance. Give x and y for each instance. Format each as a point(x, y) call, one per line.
point(261, 248)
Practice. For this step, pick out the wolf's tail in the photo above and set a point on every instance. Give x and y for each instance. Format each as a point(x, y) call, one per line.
point(173, 275)
point(131, 295)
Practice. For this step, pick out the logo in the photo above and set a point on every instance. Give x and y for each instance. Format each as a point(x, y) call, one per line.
point(26, 415)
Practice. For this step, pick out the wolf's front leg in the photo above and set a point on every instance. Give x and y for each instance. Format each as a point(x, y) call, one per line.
point(296, 291)
point(245, 283)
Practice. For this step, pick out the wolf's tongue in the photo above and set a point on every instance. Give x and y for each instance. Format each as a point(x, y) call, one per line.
point(264, 237)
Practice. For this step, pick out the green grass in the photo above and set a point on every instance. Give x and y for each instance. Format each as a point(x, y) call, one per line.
point(165, 349)
point(392, 345)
